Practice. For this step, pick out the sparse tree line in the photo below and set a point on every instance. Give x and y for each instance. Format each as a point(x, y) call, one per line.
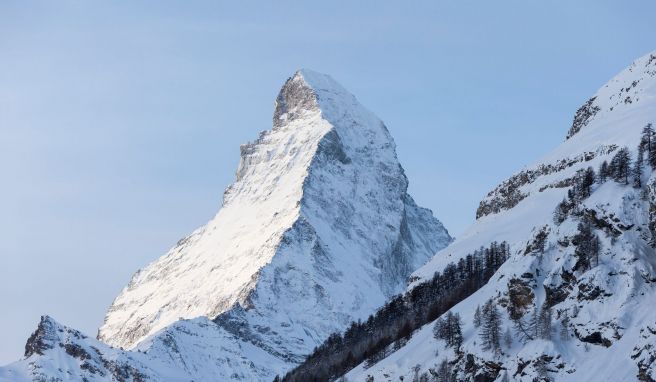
point(393, 324)
point(536, 325)
point(620, 169)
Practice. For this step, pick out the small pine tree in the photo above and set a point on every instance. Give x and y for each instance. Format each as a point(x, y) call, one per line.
point(477, 317)
point(456, 331)
point(588, 247)
point(448, 328)
point(491, 327)
point(603, 172)
point(648, 137)
point(561, 211)
point(646, 141)
point(636, 173)
point(545, 322)
point(620, 165)
point(641, 150)
point(584, 183)
point(533, 325)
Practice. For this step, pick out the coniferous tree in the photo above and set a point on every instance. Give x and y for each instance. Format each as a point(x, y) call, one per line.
point(448, 328)
point(583, 186)
point(636, 173)
point(477, 317)
point(545, 322)
point(490, 331)
point(603, 172)
point(641, 150)
point(648, 137)
point(561, 211)
point(533, 325)
point(620, 165)
point(456, 331)
point(522, 330)
point(588, 246)
point(370, 340)
point(540, 240)
point(646, 141)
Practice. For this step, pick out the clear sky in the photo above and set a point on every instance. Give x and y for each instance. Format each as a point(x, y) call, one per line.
point(120, 122)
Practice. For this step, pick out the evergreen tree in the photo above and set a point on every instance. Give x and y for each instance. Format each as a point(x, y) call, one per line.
point(545, 322)
point(603, 172)
point(648, 137)
point(641, 150)
point(490, 332)
point(646, 141)
point(588, 246)
point(540, 240)
point(620, 165)
point(477, 317)
point(636, 173)
point(561, 211)
point(533, 325)
point(584, 182)
point(456, 330)
point(448, 328)
point(522, 330)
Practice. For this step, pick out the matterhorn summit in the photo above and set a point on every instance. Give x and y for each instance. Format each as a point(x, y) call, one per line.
point(317, 231)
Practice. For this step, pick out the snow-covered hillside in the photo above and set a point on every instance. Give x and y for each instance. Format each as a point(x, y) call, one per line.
point(316, 231)
point(586, 304)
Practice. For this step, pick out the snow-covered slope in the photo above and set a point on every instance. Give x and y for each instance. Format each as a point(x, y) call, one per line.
point(316, 231)
point(58, 353)
point(603, 320)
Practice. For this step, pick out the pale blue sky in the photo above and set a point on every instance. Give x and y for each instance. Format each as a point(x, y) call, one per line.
point(120, 122)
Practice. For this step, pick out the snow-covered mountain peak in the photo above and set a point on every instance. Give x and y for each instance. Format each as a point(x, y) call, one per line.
point(317, 230)
point(307, 91)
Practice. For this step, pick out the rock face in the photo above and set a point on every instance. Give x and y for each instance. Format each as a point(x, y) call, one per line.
point(602, 323)
point(317, 230)
point(57, 353)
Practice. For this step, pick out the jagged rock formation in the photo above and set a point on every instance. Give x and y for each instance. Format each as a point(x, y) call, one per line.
point(316, 231)
point(600, 324)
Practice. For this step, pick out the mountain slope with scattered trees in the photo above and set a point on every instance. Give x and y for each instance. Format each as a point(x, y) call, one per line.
point(573, 300)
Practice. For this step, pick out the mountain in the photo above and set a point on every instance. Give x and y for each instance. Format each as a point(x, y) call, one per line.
point(573, 300)
point(317, 230)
